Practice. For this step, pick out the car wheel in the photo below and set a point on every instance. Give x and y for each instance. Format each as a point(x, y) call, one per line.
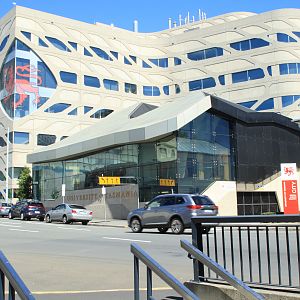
point(177, 226)
point(23, 217)
point(10, 215)
point(48, 219)
point(84, 222)
point(65, 220)
point(162, 229)
point(135, 225)
point(42, 219)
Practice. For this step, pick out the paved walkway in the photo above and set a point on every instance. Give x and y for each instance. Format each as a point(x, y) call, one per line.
point(109, 223)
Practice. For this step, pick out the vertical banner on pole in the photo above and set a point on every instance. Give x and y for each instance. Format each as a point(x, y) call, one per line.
point(289, 178)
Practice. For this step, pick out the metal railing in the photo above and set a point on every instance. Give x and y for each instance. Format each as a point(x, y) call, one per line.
point(259, 250)
point(153, 266)
point(15, 283)
point(224, 274)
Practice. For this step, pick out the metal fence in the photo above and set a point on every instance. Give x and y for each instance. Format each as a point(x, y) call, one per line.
point(259, 250)
point(15, 283)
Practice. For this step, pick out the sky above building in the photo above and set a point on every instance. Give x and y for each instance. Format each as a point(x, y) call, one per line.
point(151, 15)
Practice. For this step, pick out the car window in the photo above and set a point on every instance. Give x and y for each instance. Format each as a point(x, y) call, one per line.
point(165, 201)
point(154, 203)
point(61, 206)
point(36, 204)
point(179, 200)
point(202, 200)
point(6, 205)
point(76, 206)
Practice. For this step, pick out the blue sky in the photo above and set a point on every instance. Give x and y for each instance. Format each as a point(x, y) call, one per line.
point(152, 15)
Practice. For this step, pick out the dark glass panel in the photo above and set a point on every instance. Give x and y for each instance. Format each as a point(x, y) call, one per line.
point(101, 53)
point(3, 43)
point(91, 81)
point(58, 44)
point(68, 77)
point(267, 104)
point(57, 108)
point(112, 85)
point(45, 139)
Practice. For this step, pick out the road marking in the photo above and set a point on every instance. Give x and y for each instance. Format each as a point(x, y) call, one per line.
point(79, 229)
point(8, 225)
point(130, 240)
point(23, 230)
point(96, 291)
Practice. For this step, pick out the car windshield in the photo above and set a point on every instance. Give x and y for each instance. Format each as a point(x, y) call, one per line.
point(76, 206)
point(6, 205)
point(202, 200)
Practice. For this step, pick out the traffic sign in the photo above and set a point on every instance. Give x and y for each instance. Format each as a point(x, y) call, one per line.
point(167, 182)
point(109, 180)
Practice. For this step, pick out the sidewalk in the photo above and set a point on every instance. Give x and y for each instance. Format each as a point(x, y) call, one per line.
point(109, 223)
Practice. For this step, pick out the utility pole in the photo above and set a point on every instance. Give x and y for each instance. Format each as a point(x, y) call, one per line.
point(7, 162)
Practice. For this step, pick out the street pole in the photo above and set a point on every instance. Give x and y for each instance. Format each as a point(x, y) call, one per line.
point(104, 201)
point(7, 162)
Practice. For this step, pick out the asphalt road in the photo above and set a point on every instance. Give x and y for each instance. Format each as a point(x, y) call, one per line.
point(58, 261)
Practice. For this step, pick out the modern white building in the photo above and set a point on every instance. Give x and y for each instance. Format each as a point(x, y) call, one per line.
point(59, 76)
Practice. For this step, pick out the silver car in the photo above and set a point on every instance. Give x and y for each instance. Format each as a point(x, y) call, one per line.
point(4, 209)
point(171, 211)
point(68, 213)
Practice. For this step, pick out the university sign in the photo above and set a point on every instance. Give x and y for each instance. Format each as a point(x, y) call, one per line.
point(289, 178)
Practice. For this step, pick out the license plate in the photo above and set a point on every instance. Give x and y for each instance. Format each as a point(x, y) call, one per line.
point(37, 212)
point(82, 212)
point(208, 210)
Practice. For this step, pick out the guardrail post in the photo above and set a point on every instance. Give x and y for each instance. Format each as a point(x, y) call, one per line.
point(198, 243)
point(2, 286)
point(149, 284)
point(136, 279)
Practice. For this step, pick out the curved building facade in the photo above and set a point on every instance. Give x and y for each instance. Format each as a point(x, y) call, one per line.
point(59, 76)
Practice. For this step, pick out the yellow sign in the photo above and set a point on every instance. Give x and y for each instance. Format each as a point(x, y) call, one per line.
point(109, 180)
point(167, 182)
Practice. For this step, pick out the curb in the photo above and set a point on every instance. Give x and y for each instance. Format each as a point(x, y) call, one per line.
point(108, 225)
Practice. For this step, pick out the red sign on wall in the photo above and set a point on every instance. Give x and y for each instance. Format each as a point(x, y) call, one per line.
point(290, 188)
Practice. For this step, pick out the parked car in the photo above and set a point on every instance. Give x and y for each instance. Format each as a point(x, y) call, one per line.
point(68, 213)
point(4, 209)
point(171, 211)
point(27, 210)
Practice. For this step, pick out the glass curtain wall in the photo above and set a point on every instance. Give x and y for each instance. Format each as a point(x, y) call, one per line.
point(198, 154)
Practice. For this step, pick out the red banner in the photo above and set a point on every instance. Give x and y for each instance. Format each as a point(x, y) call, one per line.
point(290, 196)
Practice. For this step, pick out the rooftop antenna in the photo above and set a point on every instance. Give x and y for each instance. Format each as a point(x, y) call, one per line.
point(14, 3)
point(188, 17)
point(204, 16)
point(193, 19)
point(180, 20)
point(199, 14)
point(170, 23)
point(174, 24)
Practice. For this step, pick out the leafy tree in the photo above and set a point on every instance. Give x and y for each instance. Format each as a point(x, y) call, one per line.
point(25, 184)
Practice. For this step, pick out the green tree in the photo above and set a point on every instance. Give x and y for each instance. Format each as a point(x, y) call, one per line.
point(25, 184)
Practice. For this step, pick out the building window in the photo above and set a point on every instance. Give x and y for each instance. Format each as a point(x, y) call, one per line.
point(111, 84)
point(177, 61)
point(27, 34)
point(248, 104)
point(166, 90)
point(64, 137)
point(68, 77)
point(73, 112)
point(101, 53)
point(160, 62)
point(269, 69)
point(87, 52)
point(151, 91)
point(21, 46)
point(267, 104)
point(292, 68)
point(91, 81)
point(86, 109)
point(45, 139)
point(202, 84)
point(115, 54)
point(130, 88)
point(3, 43)
point(177, 89)
point(205, 54)
point(42, 43)
point(74, 45)
point(47, 79)
point(58, 44)
point(222, 79)
point(288, 100)
point(20, 137)
point(101, 113)
point(249, 44)
point(297, 33)
point(285, 38)
point(145, 65)
point(126, 61)
point(247, 75)
point(57, 108)
point(133, 58)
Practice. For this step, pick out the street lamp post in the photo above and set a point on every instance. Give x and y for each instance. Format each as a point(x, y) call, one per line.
point(7, 163)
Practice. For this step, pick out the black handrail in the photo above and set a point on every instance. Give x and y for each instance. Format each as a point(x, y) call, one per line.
point(152, 265)
point(16, 284)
